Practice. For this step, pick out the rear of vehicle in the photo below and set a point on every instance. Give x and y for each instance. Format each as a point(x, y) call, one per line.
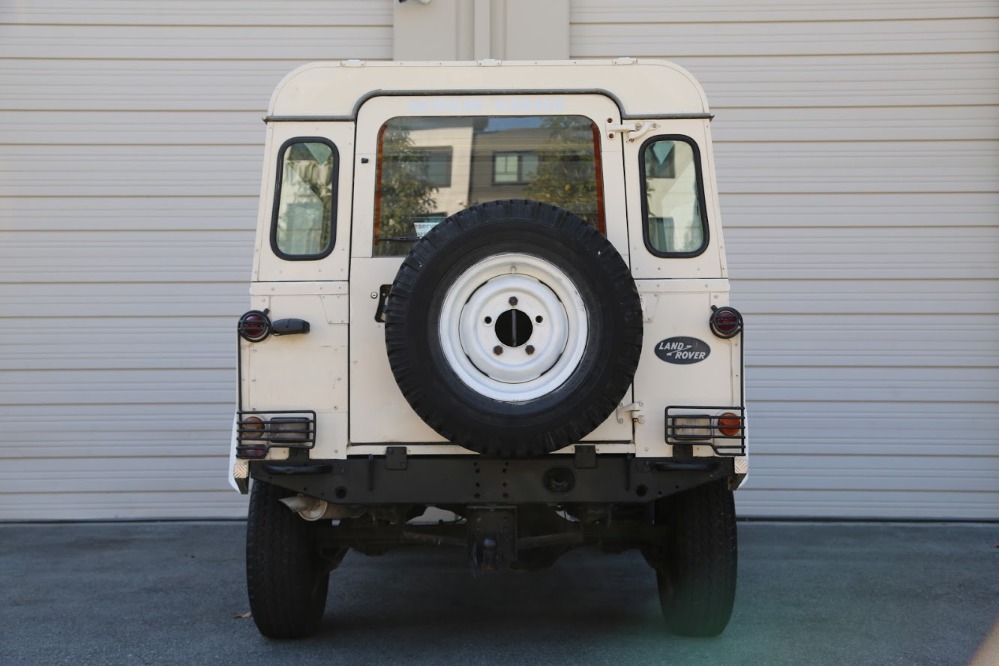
point(507, 301)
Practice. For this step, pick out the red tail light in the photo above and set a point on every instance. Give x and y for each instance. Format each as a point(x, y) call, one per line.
point(254, 326)
point(725, 322)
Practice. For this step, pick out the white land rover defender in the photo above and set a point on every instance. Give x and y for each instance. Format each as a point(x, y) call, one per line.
point(496, 289)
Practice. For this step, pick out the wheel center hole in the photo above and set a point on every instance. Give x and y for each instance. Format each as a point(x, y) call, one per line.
point(514, 328)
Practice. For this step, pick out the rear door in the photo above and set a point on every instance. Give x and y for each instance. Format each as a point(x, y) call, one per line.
point(300, 271)
point(678, 262)
point(438, 156)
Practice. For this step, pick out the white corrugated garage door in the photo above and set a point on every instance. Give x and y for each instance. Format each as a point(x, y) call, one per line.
point(130, 144)
point(858, 157)
point(859, 161)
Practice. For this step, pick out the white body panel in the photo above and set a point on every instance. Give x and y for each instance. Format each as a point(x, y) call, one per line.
point(340, 369)
point(715, 381)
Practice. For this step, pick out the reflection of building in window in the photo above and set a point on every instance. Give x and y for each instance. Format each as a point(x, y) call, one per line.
point(659, 160)
point(552, 159)
point(432, 167)
point(445, 146)
point(514, 168)
point(435, 165)
point(423, 171)
point(674, 222)
point(304, 210)
point(661, 232)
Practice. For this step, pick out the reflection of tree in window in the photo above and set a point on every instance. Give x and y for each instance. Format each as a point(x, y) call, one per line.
point(566, 174)
point(304, 211)
point(406, 188)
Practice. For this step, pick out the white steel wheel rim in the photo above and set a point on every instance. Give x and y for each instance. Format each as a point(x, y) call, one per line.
point(483, 344)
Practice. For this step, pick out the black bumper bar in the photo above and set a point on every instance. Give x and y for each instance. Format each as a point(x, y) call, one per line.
point(396, 478)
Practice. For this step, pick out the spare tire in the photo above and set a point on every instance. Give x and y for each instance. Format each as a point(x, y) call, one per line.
point(513, 328)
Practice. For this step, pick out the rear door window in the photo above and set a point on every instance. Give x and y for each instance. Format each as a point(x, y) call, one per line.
point(432, 167)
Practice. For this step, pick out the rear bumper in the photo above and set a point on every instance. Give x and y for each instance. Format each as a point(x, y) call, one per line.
point(583, 478)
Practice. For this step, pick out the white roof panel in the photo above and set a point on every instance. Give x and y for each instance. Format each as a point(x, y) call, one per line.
point(641, 87)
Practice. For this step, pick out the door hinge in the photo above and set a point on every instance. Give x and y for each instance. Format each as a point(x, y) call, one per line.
point(634, 411)
point(632, 129)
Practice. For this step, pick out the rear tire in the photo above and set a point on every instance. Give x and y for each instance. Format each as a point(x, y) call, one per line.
point(286, 577)
point(697, 561)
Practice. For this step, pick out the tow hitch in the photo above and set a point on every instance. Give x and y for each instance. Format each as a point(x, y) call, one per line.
point(492, 538)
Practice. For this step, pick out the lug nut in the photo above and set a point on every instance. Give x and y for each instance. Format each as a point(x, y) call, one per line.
point(497, 350)
point(513, 300)
point(529, 349)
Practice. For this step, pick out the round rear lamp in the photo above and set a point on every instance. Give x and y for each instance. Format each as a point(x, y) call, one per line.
point(254, 326)
point(252, 427)
point(726, 322)
point(729, 424)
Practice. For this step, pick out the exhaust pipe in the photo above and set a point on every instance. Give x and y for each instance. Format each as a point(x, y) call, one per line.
point(313, 509)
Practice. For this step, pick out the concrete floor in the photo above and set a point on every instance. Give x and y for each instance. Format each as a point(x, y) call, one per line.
point(145, 593)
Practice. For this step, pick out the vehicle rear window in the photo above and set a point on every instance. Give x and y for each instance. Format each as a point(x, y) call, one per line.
point(673, 199)
point(303, 205)
point(432, 167)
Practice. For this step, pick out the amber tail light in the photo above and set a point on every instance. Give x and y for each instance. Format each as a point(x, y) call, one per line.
point(730, 425)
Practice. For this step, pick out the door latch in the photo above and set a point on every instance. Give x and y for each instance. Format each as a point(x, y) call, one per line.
point(633, 130)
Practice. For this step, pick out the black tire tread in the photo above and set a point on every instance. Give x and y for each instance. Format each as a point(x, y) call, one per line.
point(697, 570)
point(287, 581)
